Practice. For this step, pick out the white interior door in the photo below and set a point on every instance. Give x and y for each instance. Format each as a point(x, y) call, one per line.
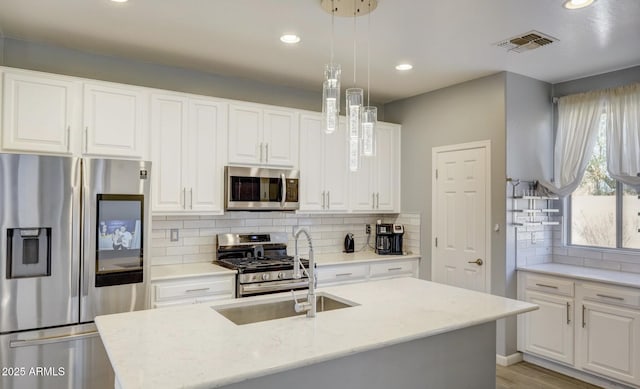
point(460, 214)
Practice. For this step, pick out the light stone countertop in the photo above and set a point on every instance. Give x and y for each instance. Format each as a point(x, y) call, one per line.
point(585, 273)
point(186, 270)
point(195, 347)
point(178, 271)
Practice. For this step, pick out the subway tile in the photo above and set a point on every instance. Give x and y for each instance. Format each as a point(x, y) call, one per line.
point(199, 223)
point(213, 231)
point(166, 224)
point(584, 253)
point(568, 260)
point(630, 267)
point(560, 251)
point(543, 251)
point(158, 252)
point(208, 249)
point(187, 232)
point(201, 257)
point(199, 240)
point(184, 217)
point(258, 222)
point(182, 250)
point(158, 233)
point(332, 220)
point(164, 243)
point(600, 264)
point(158, 218)
point(166, 260)
point(228, 223)
point(621, 257)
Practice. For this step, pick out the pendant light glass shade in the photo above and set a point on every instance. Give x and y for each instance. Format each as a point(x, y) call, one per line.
point(354, 155)
point(354, 97)
point(331, 98)
point(369, 121)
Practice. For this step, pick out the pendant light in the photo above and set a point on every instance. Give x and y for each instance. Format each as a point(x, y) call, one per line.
point(369, 113)
point(353, 104)
point(331, 89)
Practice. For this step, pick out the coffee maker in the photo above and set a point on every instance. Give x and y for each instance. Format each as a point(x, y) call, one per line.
point(389, 239)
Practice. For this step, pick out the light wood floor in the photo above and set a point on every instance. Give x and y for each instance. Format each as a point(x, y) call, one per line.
point(525, 375)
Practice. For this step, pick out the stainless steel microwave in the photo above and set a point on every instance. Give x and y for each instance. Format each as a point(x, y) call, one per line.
point(260, 189)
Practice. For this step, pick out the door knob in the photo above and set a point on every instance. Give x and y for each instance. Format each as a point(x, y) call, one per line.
point(478, 262)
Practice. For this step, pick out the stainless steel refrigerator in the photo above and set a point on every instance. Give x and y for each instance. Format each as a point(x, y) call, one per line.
point(73, 242)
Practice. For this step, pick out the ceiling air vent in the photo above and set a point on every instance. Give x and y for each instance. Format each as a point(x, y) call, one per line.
point(527, 41)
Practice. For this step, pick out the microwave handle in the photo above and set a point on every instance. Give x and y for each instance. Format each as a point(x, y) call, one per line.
point(283, 182)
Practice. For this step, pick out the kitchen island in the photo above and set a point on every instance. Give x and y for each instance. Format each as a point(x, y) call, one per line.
point(403, 332)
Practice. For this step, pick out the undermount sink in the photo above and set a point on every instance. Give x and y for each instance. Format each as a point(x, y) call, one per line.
point(262, 311)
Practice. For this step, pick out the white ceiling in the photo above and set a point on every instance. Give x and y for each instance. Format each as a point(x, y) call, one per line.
point(447, 41)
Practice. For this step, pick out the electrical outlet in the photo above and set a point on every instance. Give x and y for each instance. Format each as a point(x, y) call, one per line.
point(367, 229)
point(174, 236)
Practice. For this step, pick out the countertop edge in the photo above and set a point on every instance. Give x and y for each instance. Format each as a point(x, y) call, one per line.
point(584, 273)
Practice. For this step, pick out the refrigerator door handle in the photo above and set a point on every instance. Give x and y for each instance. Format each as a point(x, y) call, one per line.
point(52, 339)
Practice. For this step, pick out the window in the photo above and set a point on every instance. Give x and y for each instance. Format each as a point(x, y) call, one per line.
point(602, 211)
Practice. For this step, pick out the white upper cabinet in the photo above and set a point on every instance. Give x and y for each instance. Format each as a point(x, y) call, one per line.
point(114, 118)
point(187, 147)
point(323, 166)
point(39, 112)
point(259, 136)
point(375, 187)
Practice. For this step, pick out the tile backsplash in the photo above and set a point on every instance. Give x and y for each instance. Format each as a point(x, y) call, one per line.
point(197, 234)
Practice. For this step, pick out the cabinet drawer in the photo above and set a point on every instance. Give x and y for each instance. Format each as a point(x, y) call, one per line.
point(392, 269)
point(343, 273)
point(549, 285)
point(193, 289)
point(611, 295)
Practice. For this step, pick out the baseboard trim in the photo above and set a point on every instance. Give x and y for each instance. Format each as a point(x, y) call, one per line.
point(571, 372)
point(508, 360)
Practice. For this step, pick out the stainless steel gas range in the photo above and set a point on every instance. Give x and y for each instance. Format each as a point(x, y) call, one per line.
point(261, 261)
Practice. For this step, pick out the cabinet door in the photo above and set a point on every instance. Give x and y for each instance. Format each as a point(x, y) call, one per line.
point(207, 119)
point(312, 191)
point(362, 190)
point(245, 135)
point(114, 120)
point(280, 138)
point(336, 169)
point(38, 113)
point(387, 171)
point(608, 342)
point(168, 133)
point(549, 330)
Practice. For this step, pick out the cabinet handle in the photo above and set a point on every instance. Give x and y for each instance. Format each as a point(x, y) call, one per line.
point(373, 200)
point(184, 198)
point(378, 200)
point(266, 153)
point(547, 286)
point(394, 268)
point(190, 198)
point(196, 290)
point(610, 297)
point(328, 199)
point(68, 138)
point(261, 151)
point(86, 139)
point(343, 274)
point(568, 310)
point(323, 199)
point(584, 323)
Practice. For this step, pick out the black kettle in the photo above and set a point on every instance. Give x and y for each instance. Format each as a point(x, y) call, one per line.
point(348, 243)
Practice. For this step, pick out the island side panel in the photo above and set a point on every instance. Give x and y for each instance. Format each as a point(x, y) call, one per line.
point(459, 359)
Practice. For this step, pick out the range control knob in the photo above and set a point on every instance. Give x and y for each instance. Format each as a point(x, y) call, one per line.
point(281, 275)
point(266, 276)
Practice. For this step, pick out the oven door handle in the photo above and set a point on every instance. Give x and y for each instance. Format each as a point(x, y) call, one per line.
point(246, 289)
point(283, 182)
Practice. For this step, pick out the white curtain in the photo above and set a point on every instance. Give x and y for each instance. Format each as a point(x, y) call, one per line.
point(578, 122)
point(623, 134)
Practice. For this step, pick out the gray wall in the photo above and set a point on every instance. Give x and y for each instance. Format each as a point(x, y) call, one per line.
point(601, 81)
point(529, 157)
point(53, 59)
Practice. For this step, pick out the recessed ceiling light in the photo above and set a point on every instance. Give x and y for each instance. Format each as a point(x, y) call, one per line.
point(577, 4)
point(119, 1)
point(404, 66)
point(290, 38)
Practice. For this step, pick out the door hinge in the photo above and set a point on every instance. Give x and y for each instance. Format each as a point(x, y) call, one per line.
point(436, 174)
point(436, 242)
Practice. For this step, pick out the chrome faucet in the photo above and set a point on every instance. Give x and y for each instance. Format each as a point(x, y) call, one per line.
point(310, 305)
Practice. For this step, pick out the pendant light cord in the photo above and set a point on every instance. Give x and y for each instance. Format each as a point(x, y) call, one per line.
point(333, 11)
point(354, 43)
point(369, 55)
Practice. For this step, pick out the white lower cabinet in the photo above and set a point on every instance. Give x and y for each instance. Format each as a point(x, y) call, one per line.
point(366, 271)
point(167, 293)
point(596, 330)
